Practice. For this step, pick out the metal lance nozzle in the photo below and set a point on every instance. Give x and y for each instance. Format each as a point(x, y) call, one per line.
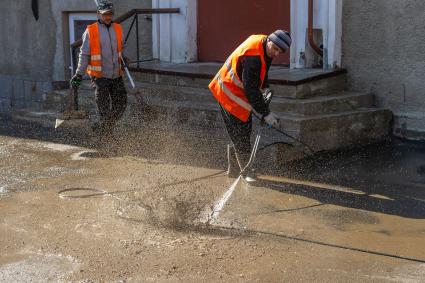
point(130, 78)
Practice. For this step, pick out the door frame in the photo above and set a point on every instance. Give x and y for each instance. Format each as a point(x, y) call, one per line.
point(72, 17)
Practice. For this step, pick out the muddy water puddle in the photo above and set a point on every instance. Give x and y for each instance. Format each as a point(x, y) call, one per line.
point(39, 268)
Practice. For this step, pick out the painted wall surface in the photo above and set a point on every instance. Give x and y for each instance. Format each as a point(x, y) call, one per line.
point(27, 52)
point(384, 52)
point(27, 45)
point(174, 35)
point(34, 53)
point(221, 31)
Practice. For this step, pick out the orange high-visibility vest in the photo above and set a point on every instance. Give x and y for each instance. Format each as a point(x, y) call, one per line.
point(228, 88)
point(94, 68)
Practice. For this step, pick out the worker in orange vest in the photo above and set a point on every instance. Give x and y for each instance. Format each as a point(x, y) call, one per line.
point(239, 86)
point(101, 57)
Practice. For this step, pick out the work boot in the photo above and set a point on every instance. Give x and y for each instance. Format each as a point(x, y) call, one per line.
point(233, 167)
point(249, 174)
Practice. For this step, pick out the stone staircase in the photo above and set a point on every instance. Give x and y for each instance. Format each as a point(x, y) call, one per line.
point(312, 106)
point(317, 110)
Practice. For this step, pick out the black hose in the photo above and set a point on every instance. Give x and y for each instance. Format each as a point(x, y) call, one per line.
point(317, 242)
point(287, 135)
point(274, 143)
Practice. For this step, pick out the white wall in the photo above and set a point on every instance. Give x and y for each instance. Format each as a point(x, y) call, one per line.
point(174, 35)
point(328, 17)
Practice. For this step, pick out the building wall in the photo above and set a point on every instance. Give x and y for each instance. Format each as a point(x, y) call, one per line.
point(27, 48)
point(384, 51)
point(327, 19)
point(36, 53)
point(174, 35)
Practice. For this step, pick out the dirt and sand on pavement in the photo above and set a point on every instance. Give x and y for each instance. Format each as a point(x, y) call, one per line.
point(72, 214)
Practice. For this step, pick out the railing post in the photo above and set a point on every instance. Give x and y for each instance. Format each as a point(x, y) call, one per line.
point(137, 37)
point(75, 99)
point(74, 61)
point(73, 69)
point(129, 30)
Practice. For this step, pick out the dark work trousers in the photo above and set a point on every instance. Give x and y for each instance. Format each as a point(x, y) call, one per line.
point(239, 132)
point(111, 100)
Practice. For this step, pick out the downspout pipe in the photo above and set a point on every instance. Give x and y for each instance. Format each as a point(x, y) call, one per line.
point(310, 30)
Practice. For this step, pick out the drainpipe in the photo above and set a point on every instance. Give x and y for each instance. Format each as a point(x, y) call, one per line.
point(310, 29)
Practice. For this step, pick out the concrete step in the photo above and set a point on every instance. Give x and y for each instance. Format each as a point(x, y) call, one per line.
point(55, 100)
point(340, 102)
point(320, 132)
point(338, 130)
point(174, 93)
point(323, 131)
point(317, 86)
point(328, 122)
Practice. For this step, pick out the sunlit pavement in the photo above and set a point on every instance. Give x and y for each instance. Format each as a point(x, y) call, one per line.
point(136, 212)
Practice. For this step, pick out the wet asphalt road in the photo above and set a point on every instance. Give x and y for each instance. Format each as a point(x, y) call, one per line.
point(133, 212)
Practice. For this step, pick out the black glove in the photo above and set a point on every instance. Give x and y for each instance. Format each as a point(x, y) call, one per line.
point(127, 61)
point(76, 80)
point(272, 120)
point(267, 96)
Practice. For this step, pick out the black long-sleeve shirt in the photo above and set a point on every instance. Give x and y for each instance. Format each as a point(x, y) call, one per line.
point(249, 70)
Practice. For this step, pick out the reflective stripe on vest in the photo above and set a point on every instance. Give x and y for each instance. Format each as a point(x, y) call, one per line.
point(96, 57)
point(233, 97)
point(94, 68)
point(228, 88)
point(233, 76)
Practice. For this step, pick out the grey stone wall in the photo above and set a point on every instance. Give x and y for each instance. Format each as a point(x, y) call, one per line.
point(27, 52)
point(35, 53)
point(383, 49)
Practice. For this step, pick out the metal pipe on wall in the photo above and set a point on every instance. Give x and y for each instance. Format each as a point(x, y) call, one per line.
point(310, 29)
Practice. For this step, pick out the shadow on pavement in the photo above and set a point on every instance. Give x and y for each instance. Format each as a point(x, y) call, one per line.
point(403, 206)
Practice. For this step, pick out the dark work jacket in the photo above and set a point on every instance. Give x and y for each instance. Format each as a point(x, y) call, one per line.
point(249, 70)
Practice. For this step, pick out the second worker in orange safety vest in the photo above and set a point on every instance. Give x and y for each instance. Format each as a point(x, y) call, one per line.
point(101, 57)
point(238, 88)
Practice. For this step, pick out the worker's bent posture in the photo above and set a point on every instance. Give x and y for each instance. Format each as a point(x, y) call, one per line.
point(100, 57)
point(238, 89)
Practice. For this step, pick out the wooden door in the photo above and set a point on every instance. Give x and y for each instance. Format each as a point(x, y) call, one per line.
point(224, 24)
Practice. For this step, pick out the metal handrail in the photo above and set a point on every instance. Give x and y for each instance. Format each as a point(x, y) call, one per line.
point(132, 13)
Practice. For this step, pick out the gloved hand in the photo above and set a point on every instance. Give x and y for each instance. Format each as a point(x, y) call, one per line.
point(271, 120)
point(76, 80)
point(267, 96)
point(127, 61)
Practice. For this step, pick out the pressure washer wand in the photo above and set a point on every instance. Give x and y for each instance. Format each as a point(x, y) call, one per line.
point(130, 78)
point(253, 153)
point(267, 96)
